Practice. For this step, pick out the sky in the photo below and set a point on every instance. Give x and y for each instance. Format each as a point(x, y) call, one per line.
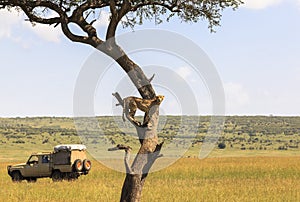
point(255, 52)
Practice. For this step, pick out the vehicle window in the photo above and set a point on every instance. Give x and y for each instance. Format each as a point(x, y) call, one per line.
point(45, 159)
point(33, 160)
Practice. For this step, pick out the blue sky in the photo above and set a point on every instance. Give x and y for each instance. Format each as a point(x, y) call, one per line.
point(256, 52)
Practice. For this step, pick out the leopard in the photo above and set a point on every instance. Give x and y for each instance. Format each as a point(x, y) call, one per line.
point(131, 104)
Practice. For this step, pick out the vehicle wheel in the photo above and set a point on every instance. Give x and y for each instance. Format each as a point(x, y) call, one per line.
point(16, 176)
point(32, 179)
point(73, 176)
point(87, 165)
point(78, 165)
point(56, 176)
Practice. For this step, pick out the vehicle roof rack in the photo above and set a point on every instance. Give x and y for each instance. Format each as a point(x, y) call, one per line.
point(69, 147)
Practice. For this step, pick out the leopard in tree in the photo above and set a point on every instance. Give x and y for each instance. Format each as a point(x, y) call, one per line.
point(131, 104)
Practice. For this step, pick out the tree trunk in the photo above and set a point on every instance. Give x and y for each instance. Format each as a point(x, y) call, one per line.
point(150, 148)
point(147, 154)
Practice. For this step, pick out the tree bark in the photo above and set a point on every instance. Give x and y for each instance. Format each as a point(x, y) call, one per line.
point(150, 148)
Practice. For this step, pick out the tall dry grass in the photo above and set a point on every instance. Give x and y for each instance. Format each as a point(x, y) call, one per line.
point(227, 179)
point(214, 179)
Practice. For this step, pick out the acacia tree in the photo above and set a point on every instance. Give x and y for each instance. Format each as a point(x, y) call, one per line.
point(127, 13)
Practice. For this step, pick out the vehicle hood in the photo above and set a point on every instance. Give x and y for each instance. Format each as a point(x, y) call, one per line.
point(21, 165)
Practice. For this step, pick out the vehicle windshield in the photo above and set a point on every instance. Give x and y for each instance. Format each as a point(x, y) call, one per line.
point(33, 159)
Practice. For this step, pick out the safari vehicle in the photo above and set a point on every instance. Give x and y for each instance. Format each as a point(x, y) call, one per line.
point(65, 162)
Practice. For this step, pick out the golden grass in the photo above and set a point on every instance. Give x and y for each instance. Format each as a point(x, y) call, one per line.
point(228, 179)
point(101, 184)
point(213, 179)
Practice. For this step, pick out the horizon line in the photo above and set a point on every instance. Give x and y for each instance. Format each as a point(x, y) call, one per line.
point(110, 115)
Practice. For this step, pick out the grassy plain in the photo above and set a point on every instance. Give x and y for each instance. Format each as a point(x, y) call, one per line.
point(243, 136)
point(261, 161)
point(189, 179)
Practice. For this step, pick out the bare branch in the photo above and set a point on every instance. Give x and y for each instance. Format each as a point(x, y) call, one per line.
point(93, 21)
point(119, 98)
point(126, 157)
point(151, 78)
point(120, 147)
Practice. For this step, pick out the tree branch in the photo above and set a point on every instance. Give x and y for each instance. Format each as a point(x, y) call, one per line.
point(119, 98)
point(78, 18)
point(126, 157)
point(29, 6)
point(116, 17)
point(173, 7)
point(151, 78)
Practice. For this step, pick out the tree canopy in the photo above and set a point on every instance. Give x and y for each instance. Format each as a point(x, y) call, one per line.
point(126, 12)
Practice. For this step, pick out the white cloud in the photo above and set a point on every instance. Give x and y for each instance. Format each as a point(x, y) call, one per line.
point(7, 20)
point(10, 21)
point(46, 32)
point(260, 4)
point(184, 72)
point(103, 20)
point(236, 97)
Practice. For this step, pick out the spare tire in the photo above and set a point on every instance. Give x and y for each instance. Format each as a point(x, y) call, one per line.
point(87, 165)
point(78, 165)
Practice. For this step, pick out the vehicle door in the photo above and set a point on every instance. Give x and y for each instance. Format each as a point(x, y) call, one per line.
point(32, 168)
point(44, 165)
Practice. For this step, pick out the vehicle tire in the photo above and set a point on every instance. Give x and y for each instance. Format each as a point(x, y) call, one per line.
point(87, 165)
point(16, 176)
point(78, 165)
point(31, 180)
point(56, 176)
point(73, 176)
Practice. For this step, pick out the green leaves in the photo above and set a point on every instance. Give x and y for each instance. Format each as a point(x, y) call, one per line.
point(187, 11)
point(163, 10)
point(131, 12)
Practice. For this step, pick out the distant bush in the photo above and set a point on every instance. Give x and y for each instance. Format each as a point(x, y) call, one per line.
point(222, 145)
point(19, 142)
point(45, 141)
point(282, 148)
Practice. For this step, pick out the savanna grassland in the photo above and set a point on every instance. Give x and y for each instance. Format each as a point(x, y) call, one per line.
point(260, 161)
point(189, 179)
